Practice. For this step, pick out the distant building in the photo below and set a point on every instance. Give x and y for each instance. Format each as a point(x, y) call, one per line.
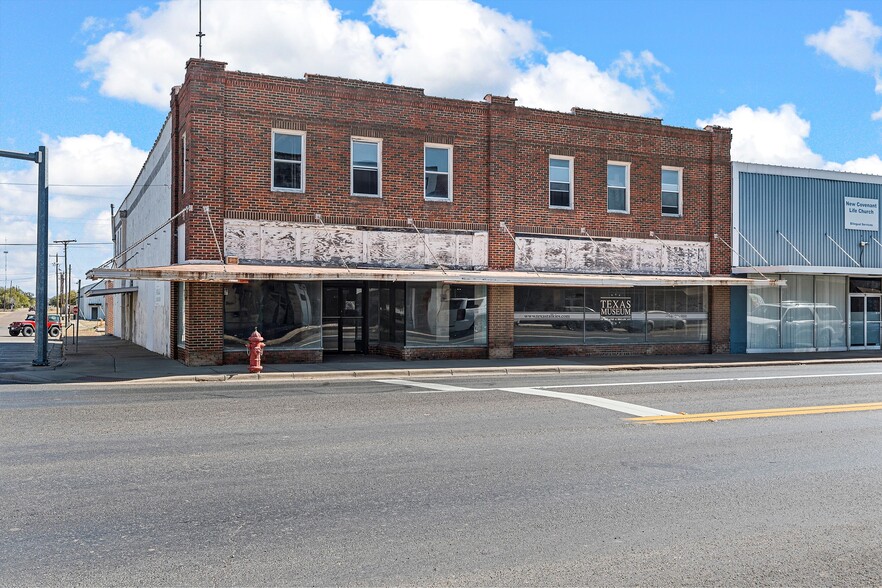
point(819, 231)
point(343, 216)
point(91, 302)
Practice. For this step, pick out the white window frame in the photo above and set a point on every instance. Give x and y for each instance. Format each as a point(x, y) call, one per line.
point(679, 171)
point(449, 172)
point(627, 166)
point(273, 186)
point(184, 162)
point(571, 161)
point(379, 143)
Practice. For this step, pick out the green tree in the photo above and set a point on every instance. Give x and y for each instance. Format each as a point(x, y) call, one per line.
point(71, 299)
point(16, 298)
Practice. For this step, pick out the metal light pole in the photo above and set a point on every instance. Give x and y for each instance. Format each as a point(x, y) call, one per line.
point(42, 336)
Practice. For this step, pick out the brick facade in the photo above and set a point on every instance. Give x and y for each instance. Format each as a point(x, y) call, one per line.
point(500, 174)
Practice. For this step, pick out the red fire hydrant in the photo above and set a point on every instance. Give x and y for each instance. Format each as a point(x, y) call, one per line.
point(255, 347)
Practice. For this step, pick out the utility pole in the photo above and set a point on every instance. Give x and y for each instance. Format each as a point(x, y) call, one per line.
point(66, 285)
point(56, 282)
point(5, 276)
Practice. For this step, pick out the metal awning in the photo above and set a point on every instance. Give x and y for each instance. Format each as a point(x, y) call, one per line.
point(235, 273)
point(108, 291)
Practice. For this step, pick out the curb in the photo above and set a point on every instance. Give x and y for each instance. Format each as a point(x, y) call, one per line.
point(435, 372)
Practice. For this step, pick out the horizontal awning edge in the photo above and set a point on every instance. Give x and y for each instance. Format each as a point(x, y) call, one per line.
point(246, 273)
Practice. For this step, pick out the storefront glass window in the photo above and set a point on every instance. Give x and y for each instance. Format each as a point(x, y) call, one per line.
point(287, 314)
point(676, 314)
point(808, 313)
point(830, 308)
point(551, 316)
point(444, 315)
point(798, 313)
point(609, 316)
point(764, 316)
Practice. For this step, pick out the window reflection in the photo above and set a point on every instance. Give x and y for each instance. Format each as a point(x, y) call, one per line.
point(287, 314)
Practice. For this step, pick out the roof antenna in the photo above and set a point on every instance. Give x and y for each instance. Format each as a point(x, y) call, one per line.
point(200, 34)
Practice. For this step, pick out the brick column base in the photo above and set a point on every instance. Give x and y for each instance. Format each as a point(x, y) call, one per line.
point(720, 310)
point(500, 322)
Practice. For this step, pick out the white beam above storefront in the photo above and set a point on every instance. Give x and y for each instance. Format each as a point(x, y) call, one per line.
point(236, 273)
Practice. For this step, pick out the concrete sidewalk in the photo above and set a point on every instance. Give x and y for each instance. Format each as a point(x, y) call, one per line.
point(104, 358)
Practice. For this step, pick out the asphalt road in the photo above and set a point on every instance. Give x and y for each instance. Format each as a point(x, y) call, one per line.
point(379, 483)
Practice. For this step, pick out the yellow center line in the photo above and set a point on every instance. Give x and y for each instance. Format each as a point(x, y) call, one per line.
point(756, 413)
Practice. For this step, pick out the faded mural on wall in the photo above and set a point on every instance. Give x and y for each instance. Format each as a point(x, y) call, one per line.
point(292, 243)
point(612, 256)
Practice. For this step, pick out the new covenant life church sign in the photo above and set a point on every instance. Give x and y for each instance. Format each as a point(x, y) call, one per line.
point(861, 214)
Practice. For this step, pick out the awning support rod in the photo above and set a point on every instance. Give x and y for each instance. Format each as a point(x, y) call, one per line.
point(794, 247)
point(600, 251)
point(665, 246)
point(318, 218)
point(426, 243)
point(207, 211)
point(515, 241)
point(842, 250)
point(749, 244)
point(729, 247)
point(113, 259)
point(876, 242)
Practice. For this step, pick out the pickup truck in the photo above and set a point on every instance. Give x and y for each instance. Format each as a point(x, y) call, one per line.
point(28, 327)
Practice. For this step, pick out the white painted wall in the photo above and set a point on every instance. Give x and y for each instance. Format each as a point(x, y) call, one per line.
point(628, 256)
point(285, 242)
point(147, 206)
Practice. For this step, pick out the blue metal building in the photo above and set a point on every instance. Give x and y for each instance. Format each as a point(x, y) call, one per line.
point(819, 231)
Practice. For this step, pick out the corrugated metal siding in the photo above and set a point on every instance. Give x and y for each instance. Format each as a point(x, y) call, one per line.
point(804, 210)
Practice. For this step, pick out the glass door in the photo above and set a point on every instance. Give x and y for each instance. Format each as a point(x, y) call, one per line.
point(343, 320)
point(864, 320)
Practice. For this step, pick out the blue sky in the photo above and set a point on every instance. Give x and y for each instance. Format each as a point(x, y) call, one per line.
point(799, 82)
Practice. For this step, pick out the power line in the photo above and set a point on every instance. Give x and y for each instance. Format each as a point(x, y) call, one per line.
point(51, 245)
point(80, 185)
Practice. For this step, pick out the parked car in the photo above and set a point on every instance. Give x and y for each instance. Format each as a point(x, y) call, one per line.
point(575, 315)
point(462, 315)
point(656, 320)
point(798, 322)
point(28, 327)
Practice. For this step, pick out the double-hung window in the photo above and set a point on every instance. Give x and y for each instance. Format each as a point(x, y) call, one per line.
point(367, 167)
point(438, 172)
point(671, 191)
point(618, 187)
point(560, 182)
point(288, 160)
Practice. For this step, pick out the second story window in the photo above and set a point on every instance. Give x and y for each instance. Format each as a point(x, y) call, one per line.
point(672, 191)
point(366, 167)
point(288, 161)
point(618, 198)
point(438, 175)
point(560, 182)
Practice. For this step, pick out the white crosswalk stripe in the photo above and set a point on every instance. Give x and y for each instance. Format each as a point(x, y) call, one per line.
point(616, 405)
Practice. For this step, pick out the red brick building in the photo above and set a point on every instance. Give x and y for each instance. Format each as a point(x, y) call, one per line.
point(339, 215)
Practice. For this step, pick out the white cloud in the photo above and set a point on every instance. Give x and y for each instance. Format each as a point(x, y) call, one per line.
point(267, 36)
point(453, 48)
point(86, 174)
point(851, 43)
point(776, 137)
point(569, 80)
point(779, 137)
point(862, 165)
